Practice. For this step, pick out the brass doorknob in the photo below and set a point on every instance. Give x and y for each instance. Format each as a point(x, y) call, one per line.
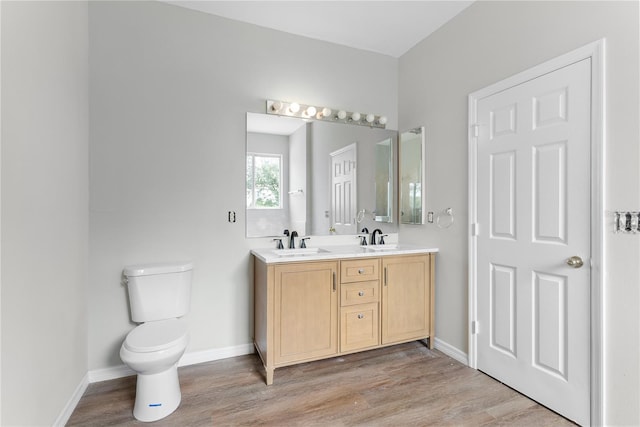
point(575, 262)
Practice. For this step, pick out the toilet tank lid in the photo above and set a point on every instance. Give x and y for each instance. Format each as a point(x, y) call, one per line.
point(157, 268)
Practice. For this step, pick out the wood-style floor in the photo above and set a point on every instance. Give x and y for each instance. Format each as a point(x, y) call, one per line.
point(403, 385)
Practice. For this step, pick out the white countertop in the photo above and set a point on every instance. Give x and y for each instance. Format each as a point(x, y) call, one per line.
point(271, 255)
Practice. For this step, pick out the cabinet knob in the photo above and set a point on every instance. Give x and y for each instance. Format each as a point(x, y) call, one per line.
point(360, 270)
point(360, 316)
point(361, 293)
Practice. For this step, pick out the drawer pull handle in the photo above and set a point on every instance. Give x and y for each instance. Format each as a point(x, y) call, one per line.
point(334, 282)
point(361, 293)
point(361, 271)
point(360, 316)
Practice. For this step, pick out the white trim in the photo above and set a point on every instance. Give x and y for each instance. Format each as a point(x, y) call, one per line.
point(451, 351)
point(187, 359)
point(64, 416)
point(105, 374)
point(0, 211)
point(596, 52)
point(215, 354)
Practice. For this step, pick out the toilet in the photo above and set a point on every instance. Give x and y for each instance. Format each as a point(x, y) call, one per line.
point(159, 294)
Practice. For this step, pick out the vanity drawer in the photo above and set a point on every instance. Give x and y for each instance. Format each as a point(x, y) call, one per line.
point(359, 270)
point(359, 292)
point(359, 327)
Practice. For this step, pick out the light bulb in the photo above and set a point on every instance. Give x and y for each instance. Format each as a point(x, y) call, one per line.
point(294, 108)
point(355, 117)
point(276, 106)
point(311, 111)
point(326, 112)
point(370, 118)
point(342, 114)
point(382, 120)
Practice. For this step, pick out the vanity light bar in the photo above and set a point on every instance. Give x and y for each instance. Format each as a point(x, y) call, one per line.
point(302, 111)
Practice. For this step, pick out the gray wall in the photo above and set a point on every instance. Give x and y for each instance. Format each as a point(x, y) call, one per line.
point(169, 90)
point(44, 208)
point(486, 43)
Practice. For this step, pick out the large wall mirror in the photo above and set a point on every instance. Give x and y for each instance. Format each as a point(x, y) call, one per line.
point(318, 178)
point(412, 161)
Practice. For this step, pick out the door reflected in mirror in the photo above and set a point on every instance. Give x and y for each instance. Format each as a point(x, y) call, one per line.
point(412, 148)
point(318, 178)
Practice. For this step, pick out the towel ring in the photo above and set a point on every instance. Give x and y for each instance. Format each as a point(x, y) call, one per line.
point(448, 223)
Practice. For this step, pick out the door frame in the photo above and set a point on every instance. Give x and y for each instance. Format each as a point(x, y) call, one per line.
point(596, 52)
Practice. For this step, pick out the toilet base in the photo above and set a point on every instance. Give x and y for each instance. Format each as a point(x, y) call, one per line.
point(157, 395)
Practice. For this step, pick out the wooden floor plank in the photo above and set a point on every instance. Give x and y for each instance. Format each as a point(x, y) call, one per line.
point(407, 384)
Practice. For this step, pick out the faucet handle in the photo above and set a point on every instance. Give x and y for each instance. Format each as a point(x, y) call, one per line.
point(382, 236)
point(363, 239)
point(279, 245)
point(302, 242)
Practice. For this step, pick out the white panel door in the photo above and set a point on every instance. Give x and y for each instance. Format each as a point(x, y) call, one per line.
point(533, 204)
point(343, 190)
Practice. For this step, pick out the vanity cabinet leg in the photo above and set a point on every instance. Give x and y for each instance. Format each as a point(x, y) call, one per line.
point(269, 375)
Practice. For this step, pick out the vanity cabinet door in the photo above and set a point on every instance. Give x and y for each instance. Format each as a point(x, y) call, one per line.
point(305, 311)
point(406, 298)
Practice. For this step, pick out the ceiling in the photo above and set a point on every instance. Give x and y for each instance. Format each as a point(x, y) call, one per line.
point(386, 27)
point(272, 124)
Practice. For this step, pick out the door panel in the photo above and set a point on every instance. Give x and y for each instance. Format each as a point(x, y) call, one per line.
point(502, 194)
point(550, 320)
point(503, 309)
point(533, 208)
point(343, 190)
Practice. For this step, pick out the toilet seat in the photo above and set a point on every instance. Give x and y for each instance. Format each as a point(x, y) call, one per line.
point(156, 336)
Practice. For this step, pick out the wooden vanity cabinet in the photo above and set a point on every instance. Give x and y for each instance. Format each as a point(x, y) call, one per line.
point(305, 311)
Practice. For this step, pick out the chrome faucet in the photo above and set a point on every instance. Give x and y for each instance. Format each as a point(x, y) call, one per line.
point(373, 236)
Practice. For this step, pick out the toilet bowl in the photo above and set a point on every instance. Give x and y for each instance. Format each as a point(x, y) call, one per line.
point(158, 296)
point(153, 350)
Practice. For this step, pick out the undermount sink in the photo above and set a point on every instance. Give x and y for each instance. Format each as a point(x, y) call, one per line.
point(385, 247)
point(298, 252)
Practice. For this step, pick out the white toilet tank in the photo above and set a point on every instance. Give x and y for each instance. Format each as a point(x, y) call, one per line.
point(159, 291)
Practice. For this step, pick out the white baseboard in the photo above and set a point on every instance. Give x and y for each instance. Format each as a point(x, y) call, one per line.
point(451, 351)
point(187, 359)
point(73, 402)
point(215, 354)
point(112, 373)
